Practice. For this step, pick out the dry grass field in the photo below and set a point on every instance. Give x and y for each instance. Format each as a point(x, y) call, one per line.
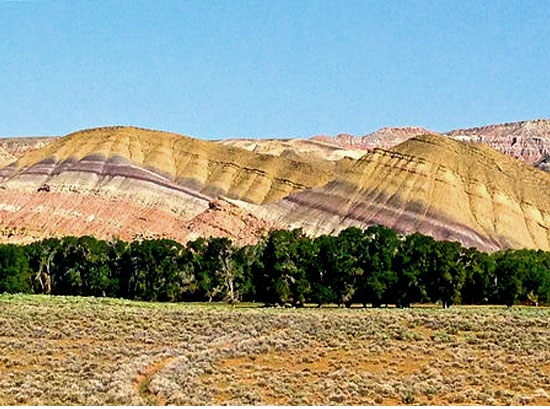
point(70, 350)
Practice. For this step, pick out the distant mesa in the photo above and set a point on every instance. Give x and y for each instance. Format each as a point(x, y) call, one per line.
point(383, 138)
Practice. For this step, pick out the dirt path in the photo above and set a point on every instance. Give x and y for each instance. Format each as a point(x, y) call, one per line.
point(142, 381)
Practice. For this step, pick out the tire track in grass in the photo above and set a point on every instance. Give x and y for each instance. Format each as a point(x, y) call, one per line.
point(143, 380)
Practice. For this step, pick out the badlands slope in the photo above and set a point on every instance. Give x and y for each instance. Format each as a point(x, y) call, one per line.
point(433, 185)
point(135, 183)
point(167, 159)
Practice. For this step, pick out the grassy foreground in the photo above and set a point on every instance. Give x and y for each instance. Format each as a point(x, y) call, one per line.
point(71, 350)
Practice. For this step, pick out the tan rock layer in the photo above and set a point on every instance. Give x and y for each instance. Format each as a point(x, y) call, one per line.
point(207, 166)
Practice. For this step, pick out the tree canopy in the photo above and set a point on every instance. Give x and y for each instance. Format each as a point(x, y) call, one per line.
point(376, 266)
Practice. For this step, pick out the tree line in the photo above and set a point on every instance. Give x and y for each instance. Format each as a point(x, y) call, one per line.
point(375, 267)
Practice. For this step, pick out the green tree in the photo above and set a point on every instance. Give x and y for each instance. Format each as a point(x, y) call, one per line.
point(480, 283)
point(14, 270)
point(40, 255)
point(346, 270)
point(323, 271)
point(377, 261)
point(414, 264)
point(283, 278)
point(157, 270)
point(224, 269)
point(449, 274)
point(510, 268)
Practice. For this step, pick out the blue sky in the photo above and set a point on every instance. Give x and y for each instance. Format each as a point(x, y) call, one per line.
point(219, 69)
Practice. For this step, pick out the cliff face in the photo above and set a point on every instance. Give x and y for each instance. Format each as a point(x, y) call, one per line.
point(433, 185)
point(528, 141)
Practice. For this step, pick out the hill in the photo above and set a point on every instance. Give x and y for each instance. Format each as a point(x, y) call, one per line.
point(434, 185)
point(135, 182)
point(168, 160)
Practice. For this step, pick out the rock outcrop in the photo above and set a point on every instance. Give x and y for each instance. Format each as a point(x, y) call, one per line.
point(528, 141)
point(224, 219)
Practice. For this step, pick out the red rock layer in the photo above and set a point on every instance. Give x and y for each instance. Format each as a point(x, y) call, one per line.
point(30, 216)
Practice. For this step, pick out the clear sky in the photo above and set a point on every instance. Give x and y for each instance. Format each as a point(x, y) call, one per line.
point(235, 68)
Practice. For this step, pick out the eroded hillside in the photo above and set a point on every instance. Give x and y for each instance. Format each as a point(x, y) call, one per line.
point(134, 182)
point(434, 185)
